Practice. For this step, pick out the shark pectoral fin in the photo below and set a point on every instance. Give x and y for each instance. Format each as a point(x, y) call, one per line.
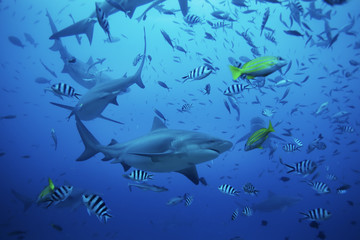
point(114, 101)
point(125, 166)
point(191, 173)
point(109, 119)
point(63, 106)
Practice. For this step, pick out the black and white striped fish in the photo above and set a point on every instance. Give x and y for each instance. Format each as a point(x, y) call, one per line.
point(139, 176)
point(235, 214)
point(186, 107)
point(198, 73)
point(331, 177)
point(60, 194)
point(289, 147)
point(298, 142)
point(317, 214)
point(96, 205)
point(63, 89)
point(188, 199)
point(270, 37)
point(346, 128)
point(250, 189)
point(192, 19)
point(235, 89)
point(305, 167)
point(247, 211)
point(218, 25)
point(102, 19)
point(320, 187)
point(227, 189)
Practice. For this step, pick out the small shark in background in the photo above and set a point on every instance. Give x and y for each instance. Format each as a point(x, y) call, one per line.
point(86, 26)
point(93, 102)
point(161, 150)
point(275, 202)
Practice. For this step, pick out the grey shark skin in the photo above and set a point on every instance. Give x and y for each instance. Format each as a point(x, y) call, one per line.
point(78, 70)
point(147, 187)
point(86, 26)
point(93, 102)
point(275, 202)
point(161, 150)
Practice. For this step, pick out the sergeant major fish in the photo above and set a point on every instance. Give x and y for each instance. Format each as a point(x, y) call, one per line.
point(139, 176)
point(250, 189)
point(235, 89)
point(63, 89)
point(96, 205)
point(198, 73)
point(317, 214)
point(305, 167)
point(60, 194)
point(289, 147)
point(227, 189)
point(188, 199)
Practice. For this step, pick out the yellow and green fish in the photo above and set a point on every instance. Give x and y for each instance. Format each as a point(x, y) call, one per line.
point(258, 137)
point(47, 190)
point(258, 67)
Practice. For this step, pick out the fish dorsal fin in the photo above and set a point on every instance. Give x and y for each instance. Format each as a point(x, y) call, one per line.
point(113, 142)
point(90, 61)
point(191, 173)
point(157, 124)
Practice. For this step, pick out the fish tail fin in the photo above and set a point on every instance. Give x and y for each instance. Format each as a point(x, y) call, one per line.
point(292, 169)
point(107, 216)
point(304, 218)
point(51, 185)
point(236, 72)
point(270, 128)
point(50, 202)
point(91, 144)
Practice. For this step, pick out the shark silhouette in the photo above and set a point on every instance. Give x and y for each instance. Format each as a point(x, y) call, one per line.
point(161, 150)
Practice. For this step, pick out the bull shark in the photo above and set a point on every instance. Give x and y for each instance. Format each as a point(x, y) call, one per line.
point(161, 150)
point(86, 26)
point(93, 102)
point(275, 202)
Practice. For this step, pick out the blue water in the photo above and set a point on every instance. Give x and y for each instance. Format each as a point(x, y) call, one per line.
point(28, 157)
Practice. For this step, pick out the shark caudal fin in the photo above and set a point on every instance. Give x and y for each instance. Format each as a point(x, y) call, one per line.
point(91, 144)
point(85, 26)
point(137, 75)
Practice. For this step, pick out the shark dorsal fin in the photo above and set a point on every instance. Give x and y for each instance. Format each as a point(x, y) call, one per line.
point(113, 142)
point(157, 124)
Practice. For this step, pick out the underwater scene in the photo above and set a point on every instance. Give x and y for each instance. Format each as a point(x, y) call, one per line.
point(180, 119)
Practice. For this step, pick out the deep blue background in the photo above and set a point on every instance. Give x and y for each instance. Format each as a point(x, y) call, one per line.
point(139, 214)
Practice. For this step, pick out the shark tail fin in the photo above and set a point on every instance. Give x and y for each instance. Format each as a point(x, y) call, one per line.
point(91, 144)
point(139, 81)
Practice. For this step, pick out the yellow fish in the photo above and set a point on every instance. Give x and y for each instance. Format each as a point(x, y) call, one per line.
point(258, 67)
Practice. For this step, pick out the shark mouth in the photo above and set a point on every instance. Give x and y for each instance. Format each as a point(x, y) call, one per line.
point(215, 150)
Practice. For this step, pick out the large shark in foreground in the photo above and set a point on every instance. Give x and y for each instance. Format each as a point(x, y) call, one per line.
point(93, 102)
point(86, 26)
point(161, 150)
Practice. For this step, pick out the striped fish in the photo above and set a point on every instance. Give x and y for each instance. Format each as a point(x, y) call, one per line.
point(227, 189)
point(258, 137)
point(235, 214)
point(60, 194)
point(250, 189)
point(96, 205)
point(218, 25)
point(298, 142)
point(235, 89)
point(63, 89)
point(331, 177)
point(192, 19)
point(247, 212)
point(348, 129)
point(198, 73)
point(139, 176)
point(102, 19)
point(305, 167)
point(317, 214)
point(289, 147)
point(320, 187)
point(188, 199)
point(258, 67)
point(186, 107)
